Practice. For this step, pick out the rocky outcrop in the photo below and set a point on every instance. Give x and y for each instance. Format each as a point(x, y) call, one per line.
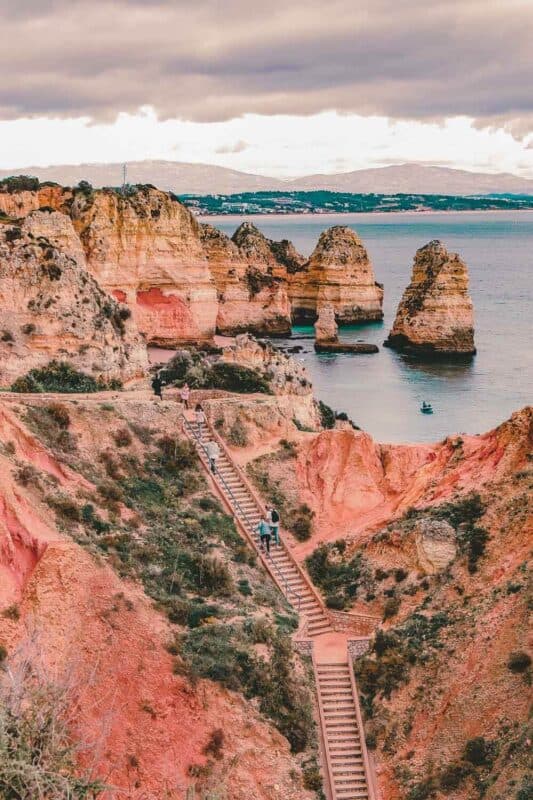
point(435, 545)
point(339, 272)
point(326, 328)
point(284, 374)
point(145, 249)
point(250, 282)
point(53, 309)
point(327, 340)
point(435, 315)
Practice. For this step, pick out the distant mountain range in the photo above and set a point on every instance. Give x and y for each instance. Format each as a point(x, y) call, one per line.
point(203, 179)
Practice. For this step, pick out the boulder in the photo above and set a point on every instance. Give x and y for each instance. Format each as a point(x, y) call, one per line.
point(436, 545)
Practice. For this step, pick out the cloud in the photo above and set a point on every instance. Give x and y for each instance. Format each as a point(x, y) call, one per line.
point(212, 61)
point(237, 147)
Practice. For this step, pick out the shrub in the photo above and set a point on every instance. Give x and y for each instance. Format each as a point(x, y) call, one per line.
point(478, 751)
point(215, 744)
point(327, 415)
point(57, 376)
point(300, 522)
point(236, 378)
point(519, 662)
point(452, 776)
point(7, 336)
point(38, 758)
point(65, 507)
point(312, 779)
point(28, 328)
point(400, 575)
point(12, 612)
point(244, 587)
point(110, 491)
point(122, 437)
point(237, 434)
point(26, 475)
point(3, 656)
point(338, 578)
point(19, 183)
point(176, 454)
point(59, 413)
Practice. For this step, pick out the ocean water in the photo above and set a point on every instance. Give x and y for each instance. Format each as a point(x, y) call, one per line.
point(382, 393)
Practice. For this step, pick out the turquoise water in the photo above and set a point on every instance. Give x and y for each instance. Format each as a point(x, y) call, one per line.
point(382, 393)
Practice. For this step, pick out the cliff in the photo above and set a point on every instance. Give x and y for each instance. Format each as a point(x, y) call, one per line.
point(338, 273)
point(435, 540)
point(251, 290)
point(96, 598)
point(53, 309)
point(145, 249)
point(435, 314)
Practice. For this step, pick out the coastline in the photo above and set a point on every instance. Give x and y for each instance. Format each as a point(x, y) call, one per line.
point(360, 214)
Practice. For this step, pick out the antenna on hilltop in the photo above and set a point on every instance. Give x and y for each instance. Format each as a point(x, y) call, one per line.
point(124, 177)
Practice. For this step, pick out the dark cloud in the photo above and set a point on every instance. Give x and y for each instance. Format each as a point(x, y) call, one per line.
point(213, 60)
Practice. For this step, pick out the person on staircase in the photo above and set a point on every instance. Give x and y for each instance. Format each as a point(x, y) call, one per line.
point(263, 530)
point(273, 519)
point(185, 393)
point(213, 452)
point(200, 417)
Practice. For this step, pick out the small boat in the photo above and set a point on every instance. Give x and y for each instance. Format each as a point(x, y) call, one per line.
point(426, 408)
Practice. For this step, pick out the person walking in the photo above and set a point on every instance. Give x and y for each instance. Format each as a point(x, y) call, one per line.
point(200, 417)
point(213, 452)
point(157, 385)
point(273, 518)
point(263, 530)
point(185, 393)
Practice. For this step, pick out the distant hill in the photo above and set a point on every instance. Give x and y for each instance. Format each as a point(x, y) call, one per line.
point(203, 179)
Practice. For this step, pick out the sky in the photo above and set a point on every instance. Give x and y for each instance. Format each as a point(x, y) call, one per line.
point(285, 88)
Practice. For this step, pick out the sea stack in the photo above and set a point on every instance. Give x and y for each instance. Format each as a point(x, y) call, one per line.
point(435, 315)
point(326, 335)
point(339, 273)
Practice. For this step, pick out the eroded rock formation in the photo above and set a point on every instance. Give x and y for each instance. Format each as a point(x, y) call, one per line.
point(53, 309)
point(145, 249)
point(251, 284)
point(326, 328)
point(339, 272)
point(435, 314)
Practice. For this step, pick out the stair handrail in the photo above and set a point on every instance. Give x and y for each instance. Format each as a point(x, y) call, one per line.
point(323, 730)
point(220, 441)
point(366, 760)
point(217, 475)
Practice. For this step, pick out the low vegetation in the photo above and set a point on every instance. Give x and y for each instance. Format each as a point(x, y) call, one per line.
point(38, 757)
point(59, 376)
point(339, 579)
point(201, 371)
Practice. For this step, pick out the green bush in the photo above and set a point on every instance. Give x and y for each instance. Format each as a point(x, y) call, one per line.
point(391, 608)
point(59, 413)
point(519, 661)
point(478, 751)
point(236, 378)
point(327, 415)
point(19, 183)
point(452, 776)
point(339, 579)
point(57, 376)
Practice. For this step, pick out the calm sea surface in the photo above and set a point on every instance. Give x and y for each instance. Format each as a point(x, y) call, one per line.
point(382, 393)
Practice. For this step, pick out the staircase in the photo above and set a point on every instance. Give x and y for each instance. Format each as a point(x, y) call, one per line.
point(340, 718)
point(247, 510)
point(346, 768)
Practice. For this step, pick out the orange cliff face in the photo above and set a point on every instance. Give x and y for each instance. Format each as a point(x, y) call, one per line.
point(146, 249)
point(147, 728)
point(355, 484)
point(251, 282)
point(53, 309)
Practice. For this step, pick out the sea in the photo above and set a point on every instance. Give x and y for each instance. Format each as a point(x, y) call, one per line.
point(382, 393)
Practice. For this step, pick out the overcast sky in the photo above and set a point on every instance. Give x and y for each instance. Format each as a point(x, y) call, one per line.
point(280, 87)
